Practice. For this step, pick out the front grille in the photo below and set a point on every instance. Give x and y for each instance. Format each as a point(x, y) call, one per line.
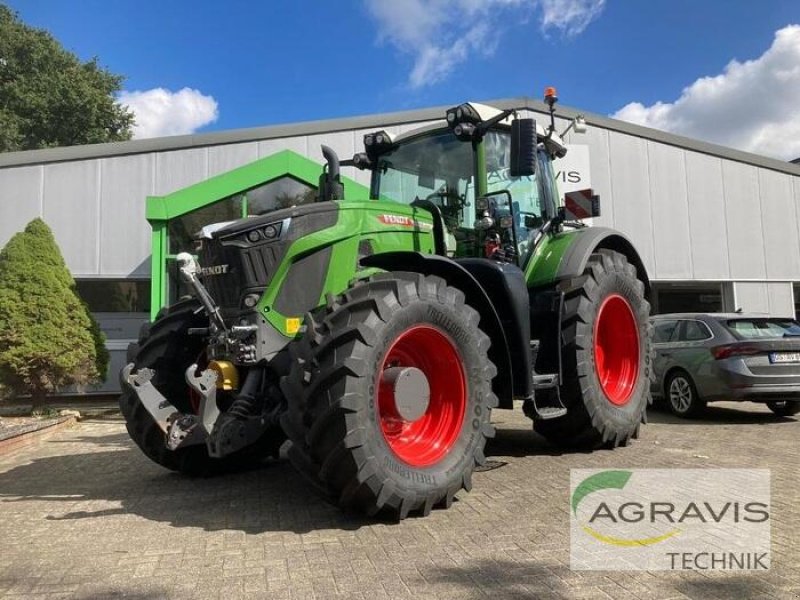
point(247, 268)
point(258, 264)
point(234, 265)
point(226, 287)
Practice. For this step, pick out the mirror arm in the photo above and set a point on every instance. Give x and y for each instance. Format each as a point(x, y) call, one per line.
point(574, 123)
point(484, 126)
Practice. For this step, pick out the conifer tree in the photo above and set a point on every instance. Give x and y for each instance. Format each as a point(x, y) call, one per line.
point(48, 339)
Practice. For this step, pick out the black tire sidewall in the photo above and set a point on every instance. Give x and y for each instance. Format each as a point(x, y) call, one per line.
point(449, 470)
point(627, 416)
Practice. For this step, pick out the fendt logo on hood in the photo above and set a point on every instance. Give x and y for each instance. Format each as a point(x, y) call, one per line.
point(403, 221)
point(214, 270)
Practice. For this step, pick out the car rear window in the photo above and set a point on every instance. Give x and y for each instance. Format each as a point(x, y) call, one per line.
point(664, 330)
point(748, 329)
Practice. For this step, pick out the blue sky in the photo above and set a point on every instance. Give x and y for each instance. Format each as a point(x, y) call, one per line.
point(666, 64)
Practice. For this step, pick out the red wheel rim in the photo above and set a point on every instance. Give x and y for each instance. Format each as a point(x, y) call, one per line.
point(616, 349)
point(426, 440)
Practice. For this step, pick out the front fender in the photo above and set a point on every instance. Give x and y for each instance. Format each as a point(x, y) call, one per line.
point(458, 277)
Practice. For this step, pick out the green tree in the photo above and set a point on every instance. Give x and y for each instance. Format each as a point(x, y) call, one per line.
point(49, 97)
point(48, 338)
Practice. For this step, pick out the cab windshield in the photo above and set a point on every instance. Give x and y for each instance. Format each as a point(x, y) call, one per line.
point(435, 167)
point(440, 168)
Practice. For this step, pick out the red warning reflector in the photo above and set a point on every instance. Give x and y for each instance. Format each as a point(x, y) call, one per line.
point(581, 204)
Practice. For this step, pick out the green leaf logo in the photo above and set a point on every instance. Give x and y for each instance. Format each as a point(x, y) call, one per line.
point(616, 480)
point(599, 481)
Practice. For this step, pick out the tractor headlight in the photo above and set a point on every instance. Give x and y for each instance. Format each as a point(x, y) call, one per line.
point(463, 120)
point(270, 231)
point(250, 300)
point(377, 143)
point(361, 161)
point(464, 131)
point(463, 113)
point(253, 236)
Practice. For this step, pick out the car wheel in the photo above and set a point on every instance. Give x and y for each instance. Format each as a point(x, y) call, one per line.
point(784, 408)
point(682, 395)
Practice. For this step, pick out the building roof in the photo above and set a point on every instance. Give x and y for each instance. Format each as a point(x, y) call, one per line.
point(234, 136)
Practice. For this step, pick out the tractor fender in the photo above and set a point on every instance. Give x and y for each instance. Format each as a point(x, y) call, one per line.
point(590, 240)
point(475, 295)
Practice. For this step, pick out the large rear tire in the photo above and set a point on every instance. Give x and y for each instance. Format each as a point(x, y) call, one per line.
point(166, 347)
point(607, 356)
point(372, 447)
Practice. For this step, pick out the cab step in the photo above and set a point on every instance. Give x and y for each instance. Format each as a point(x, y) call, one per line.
point(545, 402)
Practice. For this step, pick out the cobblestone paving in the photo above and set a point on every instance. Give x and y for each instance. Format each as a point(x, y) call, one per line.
point(85, 515)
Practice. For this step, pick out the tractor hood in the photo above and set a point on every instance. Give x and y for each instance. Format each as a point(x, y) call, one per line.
point(228, 229)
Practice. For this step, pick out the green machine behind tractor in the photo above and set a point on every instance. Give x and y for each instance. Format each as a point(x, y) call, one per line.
point(377, 334)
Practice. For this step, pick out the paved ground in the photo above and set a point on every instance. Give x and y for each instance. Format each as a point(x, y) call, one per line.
point(84, 515)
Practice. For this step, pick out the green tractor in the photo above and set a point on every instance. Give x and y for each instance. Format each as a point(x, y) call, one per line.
point(378, 334)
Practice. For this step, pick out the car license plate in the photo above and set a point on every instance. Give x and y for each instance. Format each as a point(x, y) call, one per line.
point(784, 357)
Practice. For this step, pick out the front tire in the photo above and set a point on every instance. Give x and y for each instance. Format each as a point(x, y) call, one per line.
point(166, 347)
point(606, 356)
point(371, 447)
point(784, 408)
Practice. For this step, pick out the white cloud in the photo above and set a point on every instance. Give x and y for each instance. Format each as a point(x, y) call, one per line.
point(160, 112)
point(751, 105)
point(441, 34)
point(570, 17)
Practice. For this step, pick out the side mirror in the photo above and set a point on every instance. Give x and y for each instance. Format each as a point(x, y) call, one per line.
point(523, 148)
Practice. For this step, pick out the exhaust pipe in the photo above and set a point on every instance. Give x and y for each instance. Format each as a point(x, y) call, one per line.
point(330, 185)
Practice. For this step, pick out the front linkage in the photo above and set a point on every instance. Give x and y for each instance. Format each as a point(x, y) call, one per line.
point(223, 433)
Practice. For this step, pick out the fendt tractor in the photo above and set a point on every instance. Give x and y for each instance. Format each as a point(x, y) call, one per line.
point(378, 334)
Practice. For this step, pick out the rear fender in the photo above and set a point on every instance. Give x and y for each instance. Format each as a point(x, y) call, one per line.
point(475, 295)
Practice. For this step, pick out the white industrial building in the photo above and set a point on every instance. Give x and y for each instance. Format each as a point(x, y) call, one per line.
point(717, 229)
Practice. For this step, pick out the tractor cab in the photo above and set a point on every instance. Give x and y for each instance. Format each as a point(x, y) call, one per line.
point(486, 178)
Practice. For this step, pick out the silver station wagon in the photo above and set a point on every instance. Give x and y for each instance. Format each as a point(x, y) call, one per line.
point(703, 358)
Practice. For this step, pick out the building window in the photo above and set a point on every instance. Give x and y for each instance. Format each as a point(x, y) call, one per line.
point(114, 295)
point(279, 193)
point(687, 297)
point(797, 300)
point(183, 229)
